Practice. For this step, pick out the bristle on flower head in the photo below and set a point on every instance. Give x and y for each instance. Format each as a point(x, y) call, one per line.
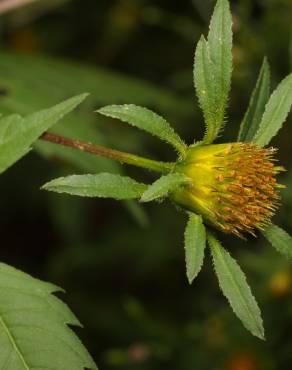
point(233, 186)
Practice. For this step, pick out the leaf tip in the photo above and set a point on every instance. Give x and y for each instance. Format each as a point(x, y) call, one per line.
point(190, 278)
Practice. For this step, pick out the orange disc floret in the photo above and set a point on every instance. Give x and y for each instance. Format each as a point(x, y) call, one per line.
point(233, 186)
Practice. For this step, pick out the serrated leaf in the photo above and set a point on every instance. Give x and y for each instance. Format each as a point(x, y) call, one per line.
point(146, 120)
point(275, 113)
point(33, 326)
point(220, 45)
point(17, 134)
point(234, 286)
point(195, 242)
point(102, 185)
point(279, 239)
point(163, 186)
point(256, 107)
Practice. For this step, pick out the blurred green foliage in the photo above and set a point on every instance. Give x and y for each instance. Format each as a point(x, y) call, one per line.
point(127, 284)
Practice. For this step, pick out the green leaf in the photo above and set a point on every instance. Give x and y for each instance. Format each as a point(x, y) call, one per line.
point(163, 186)
point(279, 239)
point(33, 326)
point(18, 134)
point(233, 283)
point(195, 242)
point(257, 103)
point(54, 79)
point(219, 67)
point(103, 185)
point(145, 120)
point(205, 88)
point(275, 113)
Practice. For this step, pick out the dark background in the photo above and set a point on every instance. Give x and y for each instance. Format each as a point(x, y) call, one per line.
point(123, 266)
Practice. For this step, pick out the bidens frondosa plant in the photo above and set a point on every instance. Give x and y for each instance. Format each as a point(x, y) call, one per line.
point(229, 187)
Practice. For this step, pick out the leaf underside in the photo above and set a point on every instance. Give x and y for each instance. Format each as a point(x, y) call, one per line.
point(256, 107)
point(146, 120)
point(17, 134)
point(163, 186)
point(234, 286)
point(33, 326)
point(279, 239)
point(103, 185)
point(195, 242)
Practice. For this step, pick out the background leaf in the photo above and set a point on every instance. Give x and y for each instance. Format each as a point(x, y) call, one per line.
point(18, 134)
point(233, 283)
point(279, 239)
point(163, 186)
point(195, 242)
point(257, 103)
point(275, 113)
point(33, 326)
point(145, 120)
point(102, 185)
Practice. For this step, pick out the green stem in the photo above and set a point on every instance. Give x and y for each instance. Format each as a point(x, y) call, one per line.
point(122, 157)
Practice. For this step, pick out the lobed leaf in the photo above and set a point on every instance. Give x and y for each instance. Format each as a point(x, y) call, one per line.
point(234, 286)
point(34, 332)
point(195, 242)
point(17, 134)
point(145, 120)
point(103, 185)
point(275, 113)
point(163, 186)
point(279, 239)
point(220, 51)
point(256, 107)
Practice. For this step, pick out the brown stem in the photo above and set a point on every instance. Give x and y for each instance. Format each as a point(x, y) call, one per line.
point(162, 167)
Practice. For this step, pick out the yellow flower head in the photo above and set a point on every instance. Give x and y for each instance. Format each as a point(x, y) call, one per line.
point(233, 185)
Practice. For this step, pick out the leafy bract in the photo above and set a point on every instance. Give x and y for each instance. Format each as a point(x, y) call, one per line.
point(17, 134)
point(275, 113)
point(213, 68)
point(146, 120)
point(102, 185)
point(279, 239)
point(33, 326)
point(164, 185)
point(257, 103)
point(234, 286)
point(205, 87)
point(195, 242)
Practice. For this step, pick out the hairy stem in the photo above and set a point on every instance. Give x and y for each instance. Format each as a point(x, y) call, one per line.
point(122, 157)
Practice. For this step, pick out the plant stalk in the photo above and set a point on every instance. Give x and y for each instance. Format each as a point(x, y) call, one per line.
point(122, 157)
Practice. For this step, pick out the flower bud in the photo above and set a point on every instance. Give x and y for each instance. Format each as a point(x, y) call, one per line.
point(233, 186)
